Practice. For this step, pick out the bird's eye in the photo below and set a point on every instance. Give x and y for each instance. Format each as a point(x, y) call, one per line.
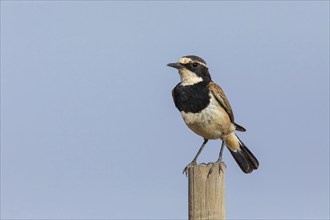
point(195, 64)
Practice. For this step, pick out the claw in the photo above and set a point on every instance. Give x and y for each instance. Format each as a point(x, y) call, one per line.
point(185, 170)
point(218, 163)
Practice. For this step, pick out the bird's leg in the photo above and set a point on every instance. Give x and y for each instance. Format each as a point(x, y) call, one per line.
point(219, 160)
point(194, 161)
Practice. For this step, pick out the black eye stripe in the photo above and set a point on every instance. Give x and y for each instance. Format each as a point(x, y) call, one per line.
point(194, 64)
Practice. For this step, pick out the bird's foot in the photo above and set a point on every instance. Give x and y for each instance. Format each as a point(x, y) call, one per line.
point(185, 170)
point(217, 164)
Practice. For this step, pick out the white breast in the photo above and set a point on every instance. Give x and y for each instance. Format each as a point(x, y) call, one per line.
point(211, 123)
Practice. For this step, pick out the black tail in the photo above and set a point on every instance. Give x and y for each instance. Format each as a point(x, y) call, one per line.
point(245, 159)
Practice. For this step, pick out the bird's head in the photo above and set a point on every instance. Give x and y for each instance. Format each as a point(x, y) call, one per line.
point(192, 70)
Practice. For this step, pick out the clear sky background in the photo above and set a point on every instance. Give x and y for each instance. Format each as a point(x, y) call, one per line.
point(89, 129)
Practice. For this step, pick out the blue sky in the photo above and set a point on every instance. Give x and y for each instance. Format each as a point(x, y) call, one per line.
point(89, 129)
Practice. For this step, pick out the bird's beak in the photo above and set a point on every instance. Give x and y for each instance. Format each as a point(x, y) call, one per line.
point(175, 65)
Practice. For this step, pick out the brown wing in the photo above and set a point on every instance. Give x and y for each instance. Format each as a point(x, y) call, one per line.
point(222, 99)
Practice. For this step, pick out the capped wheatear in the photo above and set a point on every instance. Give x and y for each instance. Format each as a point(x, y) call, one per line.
point(207, 112)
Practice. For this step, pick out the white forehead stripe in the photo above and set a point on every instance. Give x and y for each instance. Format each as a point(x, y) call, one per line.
point(185, 60)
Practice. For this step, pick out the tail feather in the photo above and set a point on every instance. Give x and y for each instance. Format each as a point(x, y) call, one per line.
point(239, 128)
point(245, 159)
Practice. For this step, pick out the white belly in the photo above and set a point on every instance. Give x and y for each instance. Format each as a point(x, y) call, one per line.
point(211, 123)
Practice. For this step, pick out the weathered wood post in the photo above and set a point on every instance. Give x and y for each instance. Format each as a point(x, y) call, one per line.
point(206, 192)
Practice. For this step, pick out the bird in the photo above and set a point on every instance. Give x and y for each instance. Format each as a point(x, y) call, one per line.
point(205, 109)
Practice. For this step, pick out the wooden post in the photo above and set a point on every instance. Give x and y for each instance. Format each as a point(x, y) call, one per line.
point(206, 192)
